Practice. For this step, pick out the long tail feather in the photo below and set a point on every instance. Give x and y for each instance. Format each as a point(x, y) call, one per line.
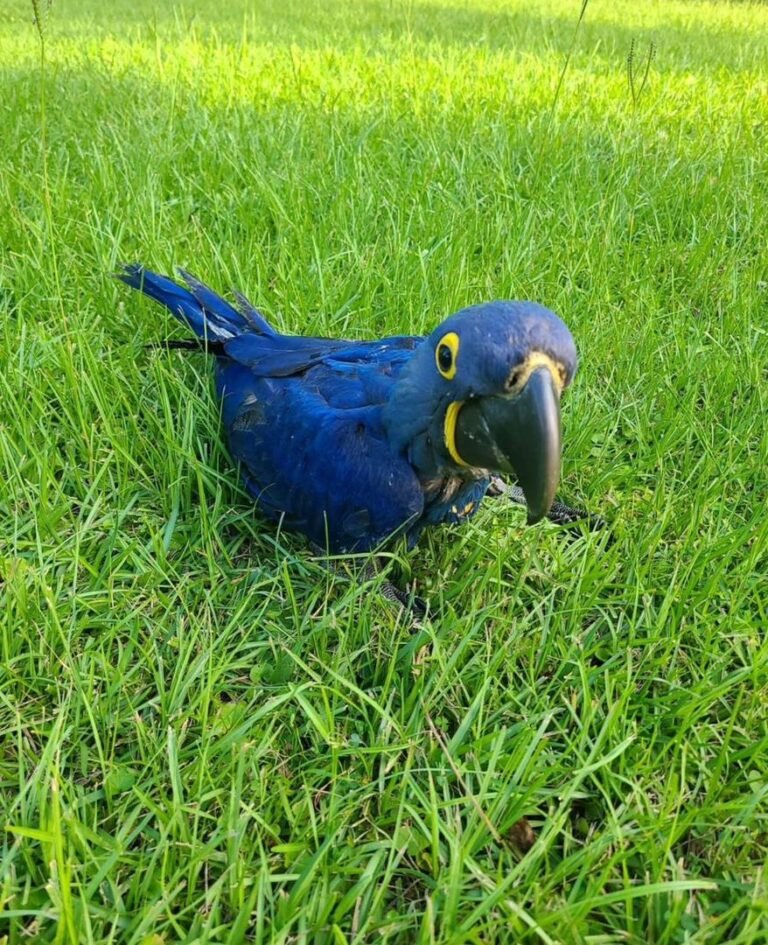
point(252, 315)
point(209, 316)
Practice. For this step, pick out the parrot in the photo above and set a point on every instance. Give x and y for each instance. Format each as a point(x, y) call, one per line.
point(352, 443)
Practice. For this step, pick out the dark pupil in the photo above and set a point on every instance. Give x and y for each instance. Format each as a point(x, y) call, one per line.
point(444, 357)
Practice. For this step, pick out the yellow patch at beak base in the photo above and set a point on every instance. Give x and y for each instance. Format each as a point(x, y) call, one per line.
point(535, 360)
point(449, 431)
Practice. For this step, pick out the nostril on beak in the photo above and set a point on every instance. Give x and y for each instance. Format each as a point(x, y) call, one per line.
point(513, 381)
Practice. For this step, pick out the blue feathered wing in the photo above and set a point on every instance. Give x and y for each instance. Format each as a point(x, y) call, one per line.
point(303, 417)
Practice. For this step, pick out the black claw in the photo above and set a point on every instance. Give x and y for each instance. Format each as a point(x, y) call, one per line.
point(409, 602)
point(565, 515)
point(559, 514)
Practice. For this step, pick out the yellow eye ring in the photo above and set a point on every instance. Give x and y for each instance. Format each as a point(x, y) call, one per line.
point(446, 353)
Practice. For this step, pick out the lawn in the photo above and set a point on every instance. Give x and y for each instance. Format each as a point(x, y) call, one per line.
point(209, 737)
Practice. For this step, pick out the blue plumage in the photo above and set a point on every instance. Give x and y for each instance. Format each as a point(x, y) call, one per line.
point(351, 442)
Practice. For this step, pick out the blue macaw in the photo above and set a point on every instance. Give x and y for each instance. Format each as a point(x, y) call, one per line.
point(351, 442)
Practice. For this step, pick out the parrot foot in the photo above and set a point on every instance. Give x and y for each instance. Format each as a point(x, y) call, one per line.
point(407, 600)
point(410, 603)
point(559, 514)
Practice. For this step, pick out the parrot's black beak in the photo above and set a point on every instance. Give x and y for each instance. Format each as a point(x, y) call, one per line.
point(517, 433)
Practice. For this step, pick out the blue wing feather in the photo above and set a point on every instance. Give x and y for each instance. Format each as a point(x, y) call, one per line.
point(326, 471)
point(304, 418)
point(285, 355)
point(279, 355)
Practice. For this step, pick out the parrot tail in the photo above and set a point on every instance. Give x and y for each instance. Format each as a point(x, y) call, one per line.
point(212, 319)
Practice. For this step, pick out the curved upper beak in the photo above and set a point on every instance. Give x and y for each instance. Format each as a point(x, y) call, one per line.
point(518, 434)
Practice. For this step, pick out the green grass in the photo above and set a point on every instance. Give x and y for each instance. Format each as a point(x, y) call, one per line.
point(209, 738)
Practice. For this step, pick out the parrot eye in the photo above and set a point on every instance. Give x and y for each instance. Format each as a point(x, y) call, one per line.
point(445, 355)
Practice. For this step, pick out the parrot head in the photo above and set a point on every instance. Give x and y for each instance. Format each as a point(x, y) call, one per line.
point(482, 392)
